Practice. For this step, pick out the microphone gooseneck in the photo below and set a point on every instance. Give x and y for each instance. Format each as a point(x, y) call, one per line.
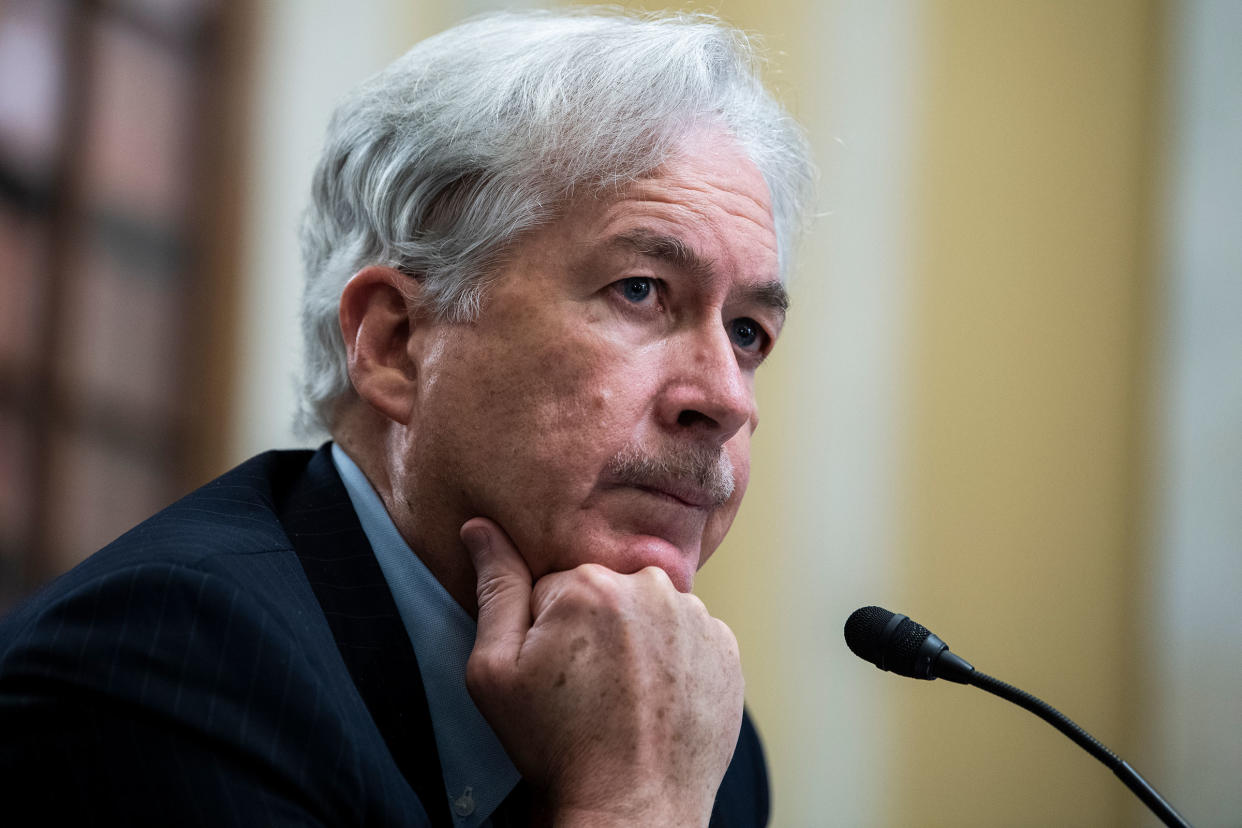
point(899, 645)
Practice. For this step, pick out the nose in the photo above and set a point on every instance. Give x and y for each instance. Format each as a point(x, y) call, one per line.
point(708, 396)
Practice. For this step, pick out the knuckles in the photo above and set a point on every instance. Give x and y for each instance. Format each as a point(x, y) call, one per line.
point(655, 576)
point(597, 592)
point(587, 589)
point(629, 617)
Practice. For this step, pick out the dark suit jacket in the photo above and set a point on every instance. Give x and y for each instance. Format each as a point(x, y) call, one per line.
point(236, 659)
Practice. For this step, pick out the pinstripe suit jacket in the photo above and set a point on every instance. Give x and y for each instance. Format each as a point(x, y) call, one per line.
point(236, 660)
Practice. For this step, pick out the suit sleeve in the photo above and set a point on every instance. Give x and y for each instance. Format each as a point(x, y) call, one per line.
point(743, 800)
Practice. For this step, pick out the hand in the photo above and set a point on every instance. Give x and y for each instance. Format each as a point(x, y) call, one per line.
point(618, 697)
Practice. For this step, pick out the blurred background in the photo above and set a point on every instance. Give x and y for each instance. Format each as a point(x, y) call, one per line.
point(1008, 402)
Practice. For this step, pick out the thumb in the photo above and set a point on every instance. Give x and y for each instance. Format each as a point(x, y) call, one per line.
point(503, 590)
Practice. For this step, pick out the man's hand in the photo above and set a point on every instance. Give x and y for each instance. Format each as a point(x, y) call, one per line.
point(617, 696)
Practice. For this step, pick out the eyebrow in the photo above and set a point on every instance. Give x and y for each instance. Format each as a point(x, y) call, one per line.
point(771, 295)
point(669, 249)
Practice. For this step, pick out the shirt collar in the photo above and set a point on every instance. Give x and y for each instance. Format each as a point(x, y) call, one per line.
point(477, 772)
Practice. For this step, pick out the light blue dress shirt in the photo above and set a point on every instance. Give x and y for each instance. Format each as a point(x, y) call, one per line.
point(477, 771)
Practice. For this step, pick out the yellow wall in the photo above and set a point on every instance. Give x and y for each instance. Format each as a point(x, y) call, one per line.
point(1031, 185)
point(1024, 359)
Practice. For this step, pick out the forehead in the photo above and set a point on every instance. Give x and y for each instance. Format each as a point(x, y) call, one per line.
point(707, 210)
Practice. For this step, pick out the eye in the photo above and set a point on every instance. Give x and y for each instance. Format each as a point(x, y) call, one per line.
point(636, 289)
point(746, 333)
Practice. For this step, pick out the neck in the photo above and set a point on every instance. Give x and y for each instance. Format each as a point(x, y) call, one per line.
point(426, 521)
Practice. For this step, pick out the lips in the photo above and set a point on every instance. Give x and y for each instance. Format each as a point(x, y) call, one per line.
point(687, 495)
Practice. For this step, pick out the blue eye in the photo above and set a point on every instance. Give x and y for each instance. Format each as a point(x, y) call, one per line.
point(637, 289)
point(745, 332)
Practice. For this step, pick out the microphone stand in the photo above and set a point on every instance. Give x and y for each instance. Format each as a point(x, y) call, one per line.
point(1132, 778)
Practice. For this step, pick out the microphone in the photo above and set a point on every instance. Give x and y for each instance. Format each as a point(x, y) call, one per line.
point(895, 643)
point(899, 645)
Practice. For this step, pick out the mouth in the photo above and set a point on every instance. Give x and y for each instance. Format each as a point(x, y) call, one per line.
point(683, 495)
point(692, 476)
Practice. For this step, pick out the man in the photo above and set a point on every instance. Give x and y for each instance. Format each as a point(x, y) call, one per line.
point(544, 261)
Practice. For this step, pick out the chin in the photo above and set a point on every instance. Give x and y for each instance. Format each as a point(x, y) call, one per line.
point(638, 552)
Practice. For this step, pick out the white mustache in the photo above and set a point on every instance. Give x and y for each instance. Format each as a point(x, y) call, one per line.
point(705, 470)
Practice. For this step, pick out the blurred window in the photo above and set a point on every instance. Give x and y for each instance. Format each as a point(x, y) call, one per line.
point(103, 109)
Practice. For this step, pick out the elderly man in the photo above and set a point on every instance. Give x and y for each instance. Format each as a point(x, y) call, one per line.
point(544, 260)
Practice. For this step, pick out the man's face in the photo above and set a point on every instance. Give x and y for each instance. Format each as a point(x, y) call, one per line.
point(601, 407)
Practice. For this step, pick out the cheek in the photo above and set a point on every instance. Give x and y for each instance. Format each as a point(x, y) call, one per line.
point(548, 413)
point(585, 391)
point(522, 384)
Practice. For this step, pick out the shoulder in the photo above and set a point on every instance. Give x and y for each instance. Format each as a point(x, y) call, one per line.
point(158, 611)
point(193, 648)
point(211, 565)
point(233, 516)
point(238, 512)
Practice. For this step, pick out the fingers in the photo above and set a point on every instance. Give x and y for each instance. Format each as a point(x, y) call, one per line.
point(503, 590)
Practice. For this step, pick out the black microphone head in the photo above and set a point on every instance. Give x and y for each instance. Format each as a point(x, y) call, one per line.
point(864, 631)
point(895, 643)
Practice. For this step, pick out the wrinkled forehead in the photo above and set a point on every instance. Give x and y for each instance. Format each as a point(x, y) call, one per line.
point(705, 208)
point(708, 155)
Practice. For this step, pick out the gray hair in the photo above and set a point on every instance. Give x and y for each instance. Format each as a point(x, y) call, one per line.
point(481, 133)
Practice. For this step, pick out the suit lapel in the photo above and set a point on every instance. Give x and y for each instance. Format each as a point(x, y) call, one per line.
point(360, 610)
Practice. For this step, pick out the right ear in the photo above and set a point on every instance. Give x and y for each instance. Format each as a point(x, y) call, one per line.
point(379, 321)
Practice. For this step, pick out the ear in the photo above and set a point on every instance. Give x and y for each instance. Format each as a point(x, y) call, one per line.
point(380, 323)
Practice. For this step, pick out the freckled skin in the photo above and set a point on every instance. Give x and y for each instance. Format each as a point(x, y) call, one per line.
point(518, 413)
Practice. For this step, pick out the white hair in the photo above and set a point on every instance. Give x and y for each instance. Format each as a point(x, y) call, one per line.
point(481, 133)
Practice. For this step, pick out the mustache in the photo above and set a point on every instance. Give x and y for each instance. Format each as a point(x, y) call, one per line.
point(706, 470)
